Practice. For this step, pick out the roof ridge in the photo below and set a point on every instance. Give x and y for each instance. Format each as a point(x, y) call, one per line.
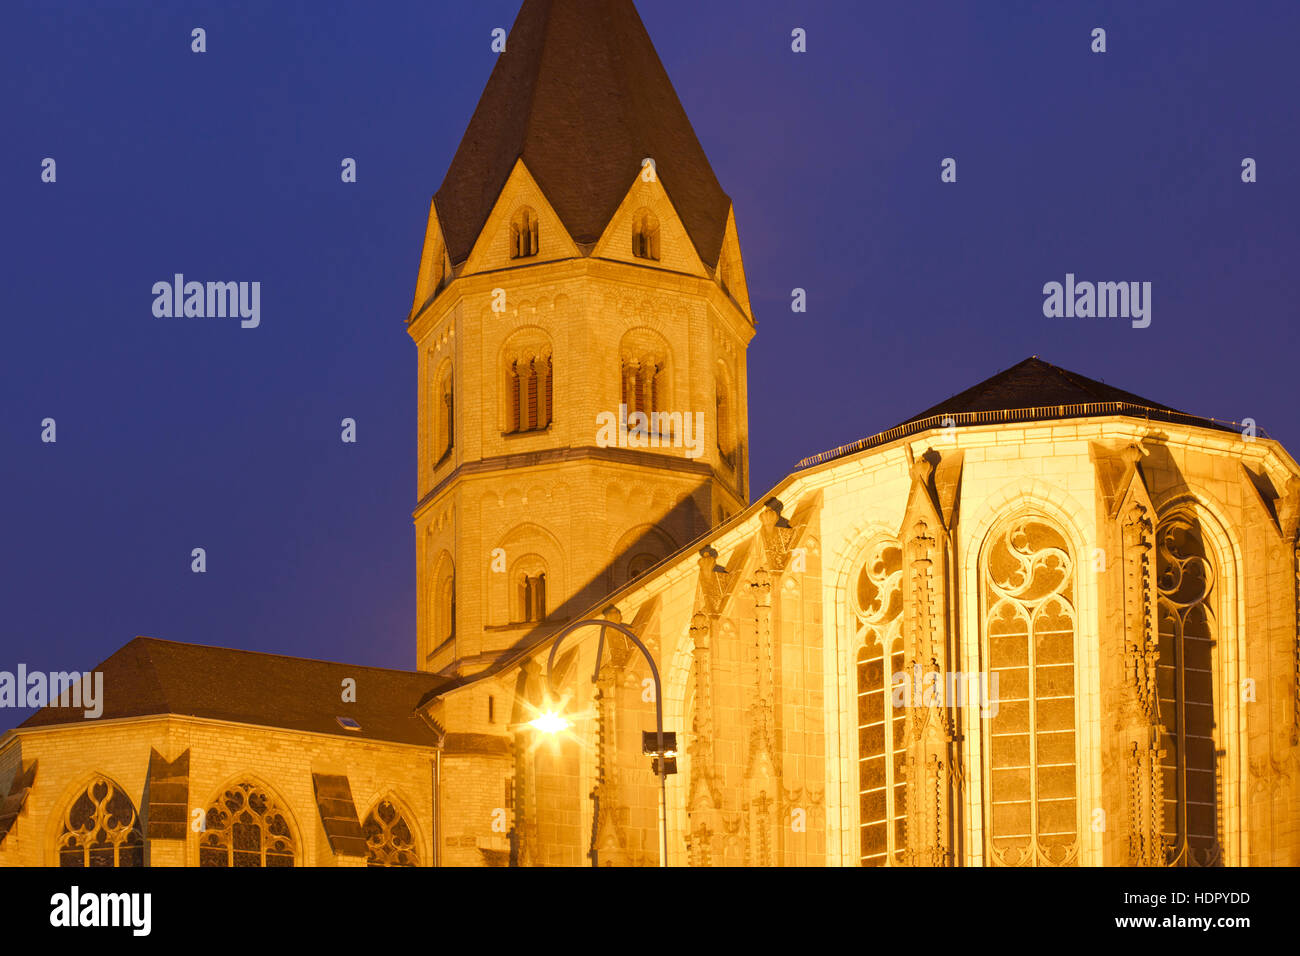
point(291, 657)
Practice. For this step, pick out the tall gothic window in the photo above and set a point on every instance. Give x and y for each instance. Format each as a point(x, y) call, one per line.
point(645, 235)
point(101, 828)
point(528, 384)
point(523, 234)
point(1028, 591)
point(245, 827)
point(1185, 578)
point(877, 607)
point(389, 841)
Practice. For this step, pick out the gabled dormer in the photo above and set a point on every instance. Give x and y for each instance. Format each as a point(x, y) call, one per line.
point(521, 230)
point(646, 230)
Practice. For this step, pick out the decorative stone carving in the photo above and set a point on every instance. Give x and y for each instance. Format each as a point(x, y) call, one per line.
point(777, 536)
point(933, 753)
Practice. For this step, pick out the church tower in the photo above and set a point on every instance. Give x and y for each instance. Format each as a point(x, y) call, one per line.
point(582, 317)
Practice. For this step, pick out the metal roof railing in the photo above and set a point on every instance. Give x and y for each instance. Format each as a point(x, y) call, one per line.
point(1037, 413)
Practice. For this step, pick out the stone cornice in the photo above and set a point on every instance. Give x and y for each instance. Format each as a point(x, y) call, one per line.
point(556, 272)
point(555, 456)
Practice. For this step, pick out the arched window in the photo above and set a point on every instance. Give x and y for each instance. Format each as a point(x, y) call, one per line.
point(640, 564)
point(877, 606)
point(529, 391)
point(444, 597)
point(645, 235)
point(389, 841)
point(725, 418)
point(444, 417)
point(645, 388)
point(532, 598)
point(101, 828)
point(1029, 622)
point(1186, 672)
point(528, 603)
point(245, 827)
point(523, 234)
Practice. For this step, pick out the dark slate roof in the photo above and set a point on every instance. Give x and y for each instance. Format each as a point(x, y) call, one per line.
point(581, 95)
point(1031, 384)
point(149, 677)
point(1033, 390)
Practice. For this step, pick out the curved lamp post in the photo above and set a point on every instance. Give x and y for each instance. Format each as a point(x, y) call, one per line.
point(662, 758)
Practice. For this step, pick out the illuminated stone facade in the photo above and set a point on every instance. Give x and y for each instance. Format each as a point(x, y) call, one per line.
point(1045, 623)
point(1131, 586)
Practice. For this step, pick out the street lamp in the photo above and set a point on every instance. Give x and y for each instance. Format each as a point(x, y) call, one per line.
point(665, 745)
point(549, 723)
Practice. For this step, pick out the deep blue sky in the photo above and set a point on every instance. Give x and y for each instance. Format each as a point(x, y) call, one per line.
point(175, 434)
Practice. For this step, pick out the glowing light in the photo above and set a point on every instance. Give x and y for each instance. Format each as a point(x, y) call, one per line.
point(550, 723)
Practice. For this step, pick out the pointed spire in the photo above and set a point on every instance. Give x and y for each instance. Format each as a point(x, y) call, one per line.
point(581, 96)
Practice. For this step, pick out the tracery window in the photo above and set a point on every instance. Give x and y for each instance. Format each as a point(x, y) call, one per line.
point(101, 828)
point(528, 384)
point(645, 235)
point(1028, 591)
point(389, 841)
point(1185, 578)
point(245, 827)
point(523, 234)
point(877, 605)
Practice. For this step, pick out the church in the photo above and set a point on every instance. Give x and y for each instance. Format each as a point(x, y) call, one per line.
point(1044, 622)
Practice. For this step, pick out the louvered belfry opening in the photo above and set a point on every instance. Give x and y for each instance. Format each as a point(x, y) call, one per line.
point(645, 235)
point(524, 234)
point(644, 390)
point(445, 418)
point(532, 598)
point(530, 394)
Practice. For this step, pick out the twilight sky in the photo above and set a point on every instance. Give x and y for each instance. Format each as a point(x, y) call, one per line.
point(183, 433)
